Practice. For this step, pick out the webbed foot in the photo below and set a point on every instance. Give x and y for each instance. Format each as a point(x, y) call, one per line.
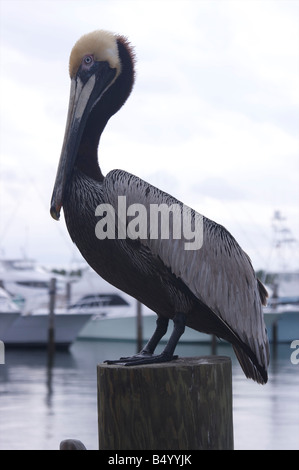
point(143, 358)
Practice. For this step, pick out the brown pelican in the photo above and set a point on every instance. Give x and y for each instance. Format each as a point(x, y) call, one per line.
point(212, 289)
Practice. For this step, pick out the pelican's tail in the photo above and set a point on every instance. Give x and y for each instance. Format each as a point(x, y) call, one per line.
point(252, 367)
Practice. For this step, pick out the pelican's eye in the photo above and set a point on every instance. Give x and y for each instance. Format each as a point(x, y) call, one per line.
point(88, 60)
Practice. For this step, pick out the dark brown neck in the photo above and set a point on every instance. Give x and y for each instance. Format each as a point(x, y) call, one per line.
point(87, 160)
point(109, 104)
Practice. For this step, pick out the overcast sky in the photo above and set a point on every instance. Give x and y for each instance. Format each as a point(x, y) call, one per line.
point(213, 118)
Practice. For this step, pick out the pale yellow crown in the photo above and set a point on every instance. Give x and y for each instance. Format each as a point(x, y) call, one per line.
point(101, 44)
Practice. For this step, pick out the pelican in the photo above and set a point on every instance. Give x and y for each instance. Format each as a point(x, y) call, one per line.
point(212, 289)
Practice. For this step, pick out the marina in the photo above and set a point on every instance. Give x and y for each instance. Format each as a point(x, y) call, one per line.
point(89, 308)
point(43, 402)
point(99, 322)
point(40, 407)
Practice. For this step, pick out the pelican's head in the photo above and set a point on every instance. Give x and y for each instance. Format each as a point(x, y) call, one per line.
point(96, 47)
point(102, 76)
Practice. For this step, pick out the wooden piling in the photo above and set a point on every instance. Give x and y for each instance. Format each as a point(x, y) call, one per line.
point(180, 405)
point(51, 323)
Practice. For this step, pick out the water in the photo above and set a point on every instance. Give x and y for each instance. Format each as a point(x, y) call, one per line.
point(39, 408)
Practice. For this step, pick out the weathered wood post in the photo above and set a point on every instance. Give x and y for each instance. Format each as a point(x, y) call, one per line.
point(51, 323)
point(180, 405)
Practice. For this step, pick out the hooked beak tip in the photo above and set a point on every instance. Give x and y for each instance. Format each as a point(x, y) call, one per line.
point(55, 212)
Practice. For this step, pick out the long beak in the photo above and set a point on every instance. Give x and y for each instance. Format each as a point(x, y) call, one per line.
point(79, 98)
point(84, 95)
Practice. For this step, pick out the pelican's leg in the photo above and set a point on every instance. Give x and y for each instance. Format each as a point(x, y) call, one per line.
point(178, 329)
point(149, 348)
point(160, 331)
point(146, 354)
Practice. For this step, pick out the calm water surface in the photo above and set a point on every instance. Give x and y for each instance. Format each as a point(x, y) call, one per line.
point(41, 407)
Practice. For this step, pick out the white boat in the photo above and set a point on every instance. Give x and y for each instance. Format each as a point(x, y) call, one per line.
point(9, 312)
point(115, 313)
point(284, 326)
point(31, 331)
point(283, 284)
point(28, 283)
point(283, 307)
point(27, 326)
point(119, 323)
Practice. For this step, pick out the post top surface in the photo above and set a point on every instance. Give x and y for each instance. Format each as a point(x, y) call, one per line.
point(180, 362)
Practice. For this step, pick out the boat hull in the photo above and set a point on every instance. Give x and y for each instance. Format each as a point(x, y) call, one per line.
point(282, 323)
point(32, 330)
point(125, 329)
point(6, 320)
